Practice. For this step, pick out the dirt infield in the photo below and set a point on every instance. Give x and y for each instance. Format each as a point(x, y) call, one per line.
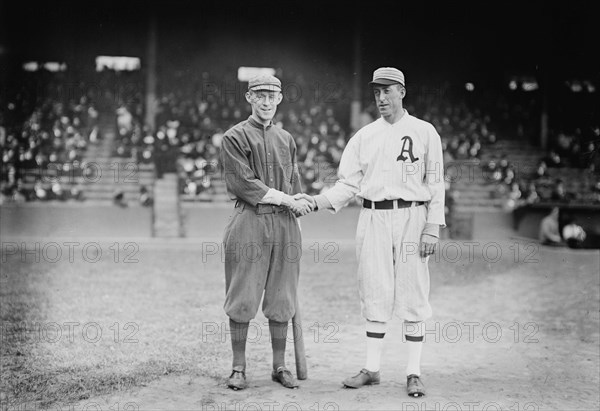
point(520, 339)
point(515, 327)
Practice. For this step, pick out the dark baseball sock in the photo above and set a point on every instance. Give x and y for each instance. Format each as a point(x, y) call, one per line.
point(278, 339)
point(239, 335)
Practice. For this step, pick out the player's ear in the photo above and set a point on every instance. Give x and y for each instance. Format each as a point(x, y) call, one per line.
point(279, 98)
point(402, 92)
point(249, 96)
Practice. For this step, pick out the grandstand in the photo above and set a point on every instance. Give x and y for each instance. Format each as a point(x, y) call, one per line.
point(477, 188)
point(129, 132)
point(112, 174)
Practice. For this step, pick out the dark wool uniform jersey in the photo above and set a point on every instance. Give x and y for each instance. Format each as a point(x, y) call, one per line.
point(255, 158)
point(261, 240)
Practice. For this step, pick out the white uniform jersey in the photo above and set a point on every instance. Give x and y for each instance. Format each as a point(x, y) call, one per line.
point(384, 161)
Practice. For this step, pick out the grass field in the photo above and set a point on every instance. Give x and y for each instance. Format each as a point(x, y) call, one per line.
point(108, 317)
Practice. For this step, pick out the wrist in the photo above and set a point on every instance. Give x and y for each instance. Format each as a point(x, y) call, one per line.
point(432, 230)
point(321, 202)
point(287, 200)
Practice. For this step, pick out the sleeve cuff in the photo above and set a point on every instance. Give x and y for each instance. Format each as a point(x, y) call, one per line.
point(441, 223)
point(432, 230)
point(272, 197)
point(322, 202)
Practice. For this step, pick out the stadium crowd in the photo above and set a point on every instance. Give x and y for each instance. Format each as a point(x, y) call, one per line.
point(568, 173)
point(191, 121)
point(47, 122)
point(44, 132)
point(193, 112)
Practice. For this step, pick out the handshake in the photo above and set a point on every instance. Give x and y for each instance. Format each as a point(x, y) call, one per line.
point(302, 204)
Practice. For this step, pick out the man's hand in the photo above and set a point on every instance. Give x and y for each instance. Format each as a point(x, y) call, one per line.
point(298, 206)
point(301, 207)
point(428, 245)
point(308, 198)
point(429, 239)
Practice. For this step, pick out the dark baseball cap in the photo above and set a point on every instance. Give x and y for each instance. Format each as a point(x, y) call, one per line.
point(264, 82)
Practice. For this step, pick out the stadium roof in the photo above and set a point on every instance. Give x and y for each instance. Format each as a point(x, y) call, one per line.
point(430, 37)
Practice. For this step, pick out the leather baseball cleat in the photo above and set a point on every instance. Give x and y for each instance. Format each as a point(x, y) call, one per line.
point(237, 380)
point(283, 376)
point(414, 386)
point(364, 377)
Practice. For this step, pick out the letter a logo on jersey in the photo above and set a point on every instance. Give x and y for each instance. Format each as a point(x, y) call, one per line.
point(407, 141)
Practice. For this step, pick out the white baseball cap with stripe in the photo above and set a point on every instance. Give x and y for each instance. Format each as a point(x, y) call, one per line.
point(387, 76)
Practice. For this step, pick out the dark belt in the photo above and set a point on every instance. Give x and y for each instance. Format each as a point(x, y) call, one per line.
point(262, 208)
point(389, 204)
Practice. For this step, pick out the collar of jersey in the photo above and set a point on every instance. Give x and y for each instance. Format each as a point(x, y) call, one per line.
point(256, 124)
point(405, 116)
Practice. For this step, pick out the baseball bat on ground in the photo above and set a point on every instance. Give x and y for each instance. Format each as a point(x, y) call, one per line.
point(300, 355)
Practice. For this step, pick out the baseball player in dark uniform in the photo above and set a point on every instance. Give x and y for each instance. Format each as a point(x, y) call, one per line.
point(260, 171)
point(395, 165)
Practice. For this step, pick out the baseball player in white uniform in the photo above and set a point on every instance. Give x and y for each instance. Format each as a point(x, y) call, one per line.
point(395, 165)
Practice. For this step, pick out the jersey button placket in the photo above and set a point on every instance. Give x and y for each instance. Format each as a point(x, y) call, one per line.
point(388, 165)
point(269, 162)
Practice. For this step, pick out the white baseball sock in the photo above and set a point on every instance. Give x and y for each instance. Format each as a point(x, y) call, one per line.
point(375, 333)
point(413, 332)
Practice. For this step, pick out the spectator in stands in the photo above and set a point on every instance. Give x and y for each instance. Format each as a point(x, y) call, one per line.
point(124, 120)
point(494, 173)
point(503, 164)
point(514, 196)
point(76, 192)
point(563, 145)
point(558, 192)
point(553, 159)
point(190, 187)
point(596, 192)
point(515, 192)
point(58, 192)
point(531, 195)
point(590, 157)
point(119, 199)
point(2, 130)
point(92, 123)
point(541, 170)
point(573, 234)
point(549, 233)
point(39, 192)
point(145, 198)
point(509, 176)
point(19, 194)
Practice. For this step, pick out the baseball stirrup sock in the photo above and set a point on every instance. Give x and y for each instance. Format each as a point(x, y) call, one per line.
point(413, 332)
point(375, 333)
point(239, 335)
point(278, 339)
